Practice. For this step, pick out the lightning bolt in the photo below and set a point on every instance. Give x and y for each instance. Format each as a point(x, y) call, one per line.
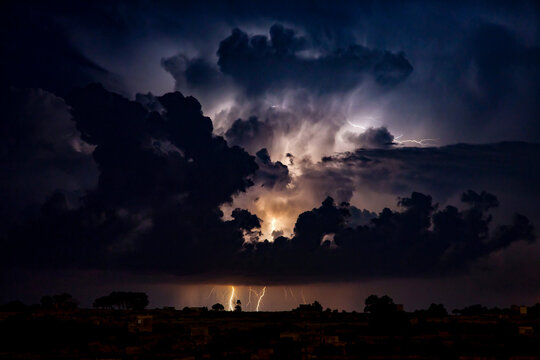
point(303, 298)
point(211, 291)
point(249, 296)
point(231, 299)
point(292, 294)
point(272, 225)
point(421, 142)
point(260, 298)
point(356, 126)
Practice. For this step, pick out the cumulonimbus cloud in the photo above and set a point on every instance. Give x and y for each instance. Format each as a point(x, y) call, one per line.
point(163, 176)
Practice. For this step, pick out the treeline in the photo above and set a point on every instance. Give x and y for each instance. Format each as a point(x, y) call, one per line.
point(124, 300)
point(62, 301)
point(378, 307)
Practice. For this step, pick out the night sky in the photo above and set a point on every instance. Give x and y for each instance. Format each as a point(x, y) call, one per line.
point(323, 150)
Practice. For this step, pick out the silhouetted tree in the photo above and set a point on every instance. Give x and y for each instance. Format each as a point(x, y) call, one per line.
point(534, 310)
point(65, 301)
point(436, 310)
point(218, 307)
point(62, 301)
point(47, 302)
point(384, 316)
point(103, 302)
point(122, 300)
point(238, 306)
point(472, 310)
point(379, 305)
point(316, 306)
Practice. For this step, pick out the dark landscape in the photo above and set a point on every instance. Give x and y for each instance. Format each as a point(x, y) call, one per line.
point(384, 331)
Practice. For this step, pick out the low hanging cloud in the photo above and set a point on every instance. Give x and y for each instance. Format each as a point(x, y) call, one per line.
point(371, 138)
point(418, 240)
point(442, 171)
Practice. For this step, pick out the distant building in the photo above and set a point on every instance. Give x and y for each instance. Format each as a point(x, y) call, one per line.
point(143, 323)
point(332, 340)
point(525, 330)
point(522, 310)
point(294, 336)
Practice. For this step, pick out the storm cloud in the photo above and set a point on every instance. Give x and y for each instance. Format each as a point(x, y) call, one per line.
point(161, 176)
point(220, 125)
point(40, 152)
point(260, 64)
point(371, 138)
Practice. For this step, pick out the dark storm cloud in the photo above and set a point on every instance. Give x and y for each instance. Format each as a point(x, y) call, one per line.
point(40, 152)
point(255, 74)
point(418, 240)
point(359, 217)
point(199, 77)
point(496, 76)
point(252, 134)
point(476, 63)
point(371, 138)
point(197, 72)
point(476, 71)
point(161, 177)
point(443, 171)
point(37, 52)
point(502, 62)
point(271, 174)
point(260, 64)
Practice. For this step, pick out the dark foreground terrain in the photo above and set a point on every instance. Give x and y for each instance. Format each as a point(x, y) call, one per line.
point(200, 334)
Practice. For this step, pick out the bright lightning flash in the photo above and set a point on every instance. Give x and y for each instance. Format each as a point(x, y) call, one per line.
point(231, 299)
point(356, 126)
point(210, 294)
point(421, 142)
point(260, 298)
point(272, 225)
